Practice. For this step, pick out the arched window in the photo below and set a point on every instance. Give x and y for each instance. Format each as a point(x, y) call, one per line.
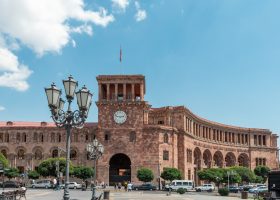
point(1, 137)
point(107, 136)
point(42, 137)
point(38, 155)
point(55, 153)
point(73, 154)
point(24, 137)
point(18, 137)
point(165, 138)
point(35, 137)
point(4, 152)
point(132, 136)
point(20, 154)
point(87, 137)
point(59, 137)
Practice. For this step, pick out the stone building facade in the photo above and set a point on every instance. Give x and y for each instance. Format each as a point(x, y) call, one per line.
point(136, 135)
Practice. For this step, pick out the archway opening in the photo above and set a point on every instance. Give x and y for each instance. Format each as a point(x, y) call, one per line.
point(230, 159)
point(120, 169)
point(243, 160)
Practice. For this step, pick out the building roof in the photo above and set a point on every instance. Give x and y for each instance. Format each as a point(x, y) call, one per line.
point(35, 124)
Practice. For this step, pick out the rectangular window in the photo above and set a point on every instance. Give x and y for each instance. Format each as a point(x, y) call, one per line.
point(255, 140)
point(189, 174)
point(165, 155)
point(264, 140)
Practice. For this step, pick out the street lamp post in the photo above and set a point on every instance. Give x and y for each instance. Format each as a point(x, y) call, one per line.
point(57, 162)
point(95, 150)
point(230, 173)
point(68, 119)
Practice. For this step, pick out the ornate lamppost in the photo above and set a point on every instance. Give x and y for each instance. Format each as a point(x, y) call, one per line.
point(68, 119)
point(95, 150)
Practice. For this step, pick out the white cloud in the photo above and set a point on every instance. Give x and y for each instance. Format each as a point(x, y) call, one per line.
point(44, 26)
point(121, 5)
point(14, 74)
point(2, 108)
point(140, 14)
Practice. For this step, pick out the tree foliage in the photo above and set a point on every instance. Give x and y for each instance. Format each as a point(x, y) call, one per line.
point(171, 174)
point(4, 160)
point(262, 171)
point(83, 172)
point(33, 175)
point(215, 175)
point(245, 173)
point(259, 179)
point(145, 175)
point(48, 167)
point(11, 172)
point(223, 175)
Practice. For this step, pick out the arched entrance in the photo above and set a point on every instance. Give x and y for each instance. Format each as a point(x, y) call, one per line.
point(120, 169)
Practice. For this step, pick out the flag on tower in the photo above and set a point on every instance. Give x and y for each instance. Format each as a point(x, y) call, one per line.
point(120, 54)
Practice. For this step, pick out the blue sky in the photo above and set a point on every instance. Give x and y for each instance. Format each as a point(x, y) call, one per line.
point(218, 58)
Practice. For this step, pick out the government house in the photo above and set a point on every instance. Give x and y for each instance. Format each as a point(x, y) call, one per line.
point(135, 134)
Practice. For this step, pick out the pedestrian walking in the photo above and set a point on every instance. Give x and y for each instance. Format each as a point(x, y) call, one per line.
point(129, 186)
point(54, 184)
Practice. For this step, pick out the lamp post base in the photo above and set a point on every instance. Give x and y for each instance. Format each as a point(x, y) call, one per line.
point(93, 192)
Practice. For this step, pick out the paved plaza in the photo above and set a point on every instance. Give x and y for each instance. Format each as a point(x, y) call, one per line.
point(34, 194)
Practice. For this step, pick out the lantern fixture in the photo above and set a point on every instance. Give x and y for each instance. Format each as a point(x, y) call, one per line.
point(53, 95)
point(70, 86)
point(84, 98)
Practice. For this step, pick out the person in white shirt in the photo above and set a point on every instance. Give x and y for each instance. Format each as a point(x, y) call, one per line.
point(129, 187)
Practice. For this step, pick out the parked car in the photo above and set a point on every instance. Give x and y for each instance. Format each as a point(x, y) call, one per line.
point(42, 184)
point(263, 188)
point(145, 186)
point(233, 189)
point(9, 184)
point(176, 184)
point(75, 185)
point(205, 187)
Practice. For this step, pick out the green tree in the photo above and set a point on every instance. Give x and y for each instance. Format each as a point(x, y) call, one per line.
point(33, 175)
point(48, 167)
point(245, 173)
point(212, 175)
point(233, 176)
point(171, 174)
point(258, 179)
point(83, 172)
point(145, 175)
point(262, 171)
point(11, 172)
point(4, 160)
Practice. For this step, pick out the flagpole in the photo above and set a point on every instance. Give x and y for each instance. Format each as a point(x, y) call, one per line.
point(121, 60)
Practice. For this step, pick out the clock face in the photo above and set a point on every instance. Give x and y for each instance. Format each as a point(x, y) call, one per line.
point(120, 117)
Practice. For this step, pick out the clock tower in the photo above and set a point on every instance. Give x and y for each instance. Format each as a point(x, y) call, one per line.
point(121, 101)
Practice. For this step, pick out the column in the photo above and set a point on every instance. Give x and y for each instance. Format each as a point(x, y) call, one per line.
point(108, 91)
point(132, 92)
point(100, 95)
point(124, 91)
point(141, 92)
point(116, 91)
